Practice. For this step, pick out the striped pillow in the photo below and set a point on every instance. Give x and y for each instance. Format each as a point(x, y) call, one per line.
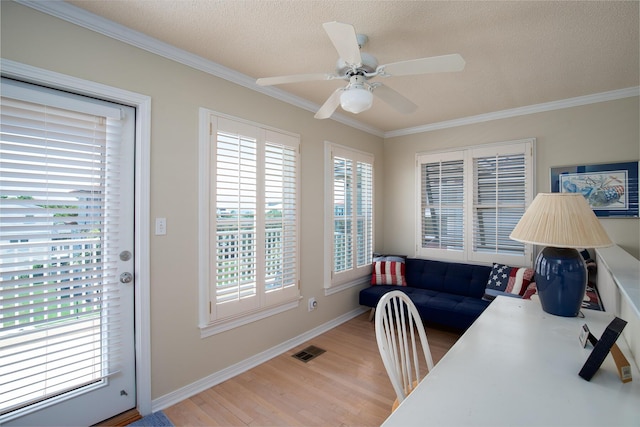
point(388, 271)
point(509, 281)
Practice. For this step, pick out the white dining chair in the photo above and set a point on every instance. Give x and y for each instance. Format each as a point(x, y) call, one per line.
point(402, 342)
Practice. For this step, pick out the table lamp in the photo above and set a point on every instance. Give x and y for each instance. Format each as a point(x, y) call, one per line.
point(563, 222)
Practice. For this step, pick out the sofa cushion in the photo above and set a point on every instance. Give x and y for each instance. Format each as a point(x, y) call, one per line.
point(388, 270)
point(372, 294)
point(508, 281)
point(452, 310)
point(460, 279)
point(446, 293)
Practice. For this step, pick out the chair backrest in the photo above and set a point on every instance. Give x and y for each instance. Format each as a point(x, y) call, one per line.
point(397, 323)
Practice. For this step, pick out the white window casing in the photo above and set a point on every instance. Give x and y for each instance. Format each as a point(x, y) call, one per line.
point(349, 216)
point(249, 222)
point(142, 104)
point(469, 201)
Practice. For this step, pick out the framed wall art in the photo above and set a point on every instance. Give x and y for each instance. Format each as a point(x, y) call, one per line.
point(611, 189)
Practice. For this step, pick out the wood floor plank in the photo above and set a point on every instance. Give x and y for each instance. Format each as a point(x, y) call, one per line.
point(229, 405)
point(216, 409)
point(187, 414)
point(345, 386)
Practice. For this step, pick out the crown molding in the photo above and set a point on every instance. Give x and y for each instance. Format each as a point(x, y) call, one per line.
point(521, 111)
point(81, 17)
point(90, 21)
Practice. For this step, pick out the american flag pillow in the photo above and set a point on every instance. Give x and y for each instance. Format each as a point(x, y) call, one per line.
point(388, 271)
point(508, 280)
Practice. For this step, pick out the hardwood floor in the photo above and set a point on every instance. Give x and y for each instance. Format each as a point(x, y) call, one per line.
point(345, 386)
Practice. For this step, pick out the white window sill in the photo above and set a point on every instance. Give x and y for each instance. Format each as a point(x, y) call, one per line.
point(365, 280)
point(228, 324)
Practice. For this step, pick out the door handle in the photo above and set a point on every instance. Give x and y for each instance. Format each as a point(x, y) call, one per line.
point(126, 277)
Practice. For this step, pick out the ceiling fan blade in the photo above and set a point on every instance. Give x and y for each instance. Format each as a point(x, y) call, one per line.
point(434, 64)
point(269, 81)
point(329, 105)
point(343, 37)
point(394, 99)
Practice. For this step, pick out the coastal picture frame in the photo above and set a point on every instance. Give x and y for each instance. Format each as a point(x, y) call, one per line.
point(611, 189)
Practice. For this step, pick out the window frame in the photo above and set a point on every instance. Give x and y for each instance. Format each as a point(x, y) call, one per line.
point(267, 303)
point(336, 282)
point(525, 147)
point(142, 103)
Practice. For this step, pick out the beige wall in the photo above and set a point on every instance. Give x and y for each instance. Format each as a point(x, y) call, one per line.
point(179, 355)
point(605, 132)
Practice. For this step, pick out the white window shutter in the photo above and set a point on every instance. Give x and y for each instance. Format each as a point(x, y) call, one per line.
point(471, 199)
point(502, 190)
point(281, 179)
point(441, 219)
point(254, 242)
point(364, 213)
point(343, 214)
point(235, 223)
point(351, 203)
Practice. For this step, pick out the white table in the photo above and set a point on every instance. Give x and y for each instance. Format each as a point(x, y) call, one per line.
point(518, 366)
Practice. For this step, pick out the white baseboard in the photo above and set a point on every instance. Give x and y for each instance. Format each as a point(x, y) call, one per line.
point(233, 370)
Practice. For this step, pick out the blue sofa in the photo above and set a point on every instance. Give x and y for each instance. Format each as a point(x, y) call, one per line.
point(445, 293)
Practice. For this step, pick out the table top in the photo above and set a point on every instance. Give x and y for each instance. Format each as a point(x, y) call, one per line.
point(518, 366)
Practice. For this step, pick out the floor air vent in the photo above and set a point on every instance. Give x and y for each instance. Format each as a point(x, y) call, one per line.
point(308, 353)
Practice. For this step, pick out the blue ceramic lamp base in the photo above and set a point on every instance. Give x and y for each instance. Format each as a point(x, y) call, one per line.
point(561, 278)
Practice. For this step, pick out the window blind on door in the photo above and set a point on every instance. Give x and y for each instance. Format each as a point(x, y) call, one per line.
point(59, 214)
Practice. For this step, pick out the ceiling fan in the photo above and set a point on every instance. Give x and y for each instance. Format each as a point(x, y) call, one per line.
point(359, 67)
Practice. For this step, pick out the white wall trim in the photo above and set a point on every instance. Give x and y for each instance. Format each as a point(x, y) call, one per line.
point(90, 21)
point(81, 17)
point(142, 103)
point(251, 362)
point(521, 111)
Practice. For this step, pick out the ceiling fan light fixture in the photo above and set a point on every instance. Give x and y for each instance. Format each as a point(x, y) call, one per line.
point(356, 100)
point(359, 67)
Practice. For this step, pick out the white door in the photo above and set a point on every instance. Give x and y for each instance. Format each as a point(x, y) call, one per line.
point(67, 354)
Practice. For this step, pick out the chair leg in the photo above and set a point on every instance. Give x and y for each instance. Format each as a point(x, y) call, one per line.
point(372, 314)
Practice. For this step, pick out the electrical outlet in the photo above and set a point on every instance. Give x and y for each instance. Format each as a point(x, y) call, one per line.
point(313, 304)
point(161, 226)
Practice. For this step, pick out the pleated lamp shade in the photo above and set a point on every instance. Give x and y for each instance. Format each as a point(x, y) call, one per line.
point(561, 220)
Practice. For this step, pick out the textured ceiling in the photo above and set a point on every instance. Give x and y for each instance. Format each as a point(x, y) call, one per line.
point(517, 53)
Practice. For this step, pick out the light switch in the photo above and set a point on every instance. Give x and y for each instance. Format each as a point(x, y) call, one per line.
point(161, 226)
